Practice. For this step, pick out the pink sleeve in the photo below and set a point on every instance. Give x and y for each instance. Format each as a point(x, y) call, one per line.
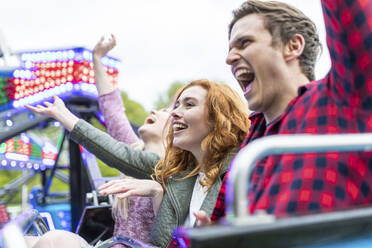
point(117, 123)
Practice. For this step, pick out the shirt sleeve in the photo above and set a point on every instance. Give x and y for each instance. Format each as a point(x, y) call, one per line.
point(349, 39)
point(117, 123)
point(219, 207)
point(119, 155)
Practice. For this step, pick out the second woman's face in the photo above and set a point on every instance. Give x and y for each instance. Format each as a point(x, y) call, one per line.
point(153, 127)
point(188, 119)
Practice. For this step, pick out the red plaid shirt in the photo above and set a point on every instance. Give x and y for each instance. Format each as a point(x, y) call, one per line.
point(339, 103)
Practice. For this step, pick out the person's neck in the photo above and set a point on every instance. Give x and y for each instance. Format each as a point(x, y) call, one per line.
point(156, 147)
point(290, 92)
point(198, 154)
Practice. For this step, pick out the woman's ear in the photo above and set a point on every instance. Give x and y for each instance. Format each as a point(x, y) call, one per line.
point(294, 47)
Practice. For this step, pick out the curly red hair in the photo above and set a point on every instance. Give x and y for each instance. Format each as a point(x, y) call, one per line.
point(227, 115)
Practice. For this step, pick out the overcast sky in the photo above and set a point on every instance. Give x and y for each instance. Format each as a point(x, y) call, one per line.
point(159, 41)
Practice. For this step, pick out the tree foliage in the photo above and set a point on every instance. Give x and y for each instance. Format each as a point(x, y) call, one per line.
point(136, 113)
point(164, 100)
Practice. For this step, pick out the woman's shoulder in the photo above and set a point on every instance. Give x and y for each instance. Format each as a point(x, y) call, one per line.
point(228, 159)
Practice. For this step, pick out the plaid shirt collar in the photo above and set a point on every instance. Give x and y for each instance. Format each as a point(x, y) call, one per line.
point(254, 116)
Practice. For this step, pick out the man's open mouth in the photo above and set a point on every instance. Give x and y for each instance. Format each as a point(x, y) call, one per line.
point(245, 77)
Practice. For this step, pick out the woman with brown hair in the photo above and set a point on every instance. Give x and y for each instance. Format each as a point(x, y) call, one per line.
point(207, 125)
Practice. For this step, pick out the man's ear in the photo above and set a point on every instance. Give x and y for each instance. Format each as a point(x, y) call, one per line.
point(294, 47)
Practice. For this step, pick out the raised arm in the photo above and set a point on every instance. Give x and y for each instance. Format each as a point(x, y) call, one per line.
point(104, 85)
point(116, 154)
point(130, 161)
point(58, 111)
point(117, 123)
point(110, 101)
point(349, 39)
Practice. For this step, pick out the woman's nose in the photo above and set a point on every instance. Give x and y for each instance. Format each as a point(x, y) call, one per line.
point(175, 113)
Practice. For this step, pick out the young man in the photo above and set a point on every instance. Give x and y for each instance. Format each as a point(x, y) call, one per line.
point(272, 52)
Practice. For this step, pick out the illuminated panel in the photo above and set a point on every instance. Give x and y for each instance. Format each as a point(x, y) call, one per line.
point(4, 216)
point(3, 96)
point(21, 153)
point(58, 72)
point(5, 79)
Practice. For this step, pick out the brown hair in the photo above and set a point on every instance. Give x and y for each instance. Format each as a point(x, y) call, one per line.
point(283, 21)
point(227, 115)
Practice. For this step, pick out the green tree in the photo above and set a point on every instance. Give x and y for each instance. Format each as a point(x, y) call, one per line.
point(136, 112)
point(164, 100)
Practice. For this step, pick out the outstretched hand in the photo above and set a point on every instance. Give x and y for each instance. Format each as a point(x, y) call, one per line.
point(102, 47)
point(56, 110)
point(127, 187)
point(131, 187)
point(50, 109)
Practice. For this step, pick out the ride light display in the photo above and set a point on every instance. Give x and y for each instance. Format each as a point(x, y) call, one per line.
point(22, 153)
point(42, 74)
point(3, 96)
point(47, 73)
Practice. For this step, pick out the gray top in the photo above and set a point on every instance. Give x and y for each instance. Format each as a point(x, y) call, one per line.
point(176, 200)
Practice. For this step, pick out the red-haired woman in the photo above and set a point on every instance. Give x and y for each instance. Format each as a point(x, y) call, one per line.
point(207, 125)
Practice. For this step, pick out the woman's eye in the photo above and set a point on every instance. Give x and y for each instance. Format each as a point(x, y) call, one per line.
point(189, 104)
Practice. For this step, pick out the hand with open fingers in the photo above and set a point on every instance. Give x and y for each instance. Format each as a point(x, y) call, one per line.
point(58, 111)
point(202, 218)
point(132, 187)
point(103, 47)
point(50, 109)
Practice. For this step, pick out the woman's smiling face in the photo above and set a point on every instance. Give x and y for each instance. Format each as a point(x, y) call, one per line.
point(188, 119)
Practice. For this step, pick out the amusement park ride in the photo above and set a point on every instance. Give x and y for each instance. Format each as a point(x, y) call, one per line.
point(39, 75)
point(68, 73)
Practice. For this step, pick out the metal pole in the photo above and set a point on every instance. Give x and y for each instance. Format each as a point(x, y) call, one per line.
point(77, 196)
point(244, 162)
point(55, 167)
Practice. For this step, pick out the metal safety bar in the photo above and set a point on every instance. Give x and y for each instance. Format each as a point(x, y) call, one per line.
point(25, 220)
point(11, 235)
point(244, 162)
point(123, 240)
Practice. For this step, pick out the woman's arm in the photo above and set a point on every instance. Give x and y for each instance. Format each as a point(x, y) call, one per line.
point(117, 154)
point(58, 111)
point(132, 162)
point(117, 123)
point(110, 101)
point(134, 187)
point(103, 83)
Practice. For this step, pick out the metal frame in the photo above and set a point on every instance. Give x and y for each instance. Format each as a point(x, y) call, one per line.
point(12, 235)
point(242, 166)
point(79, 184)
point(125, 241)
